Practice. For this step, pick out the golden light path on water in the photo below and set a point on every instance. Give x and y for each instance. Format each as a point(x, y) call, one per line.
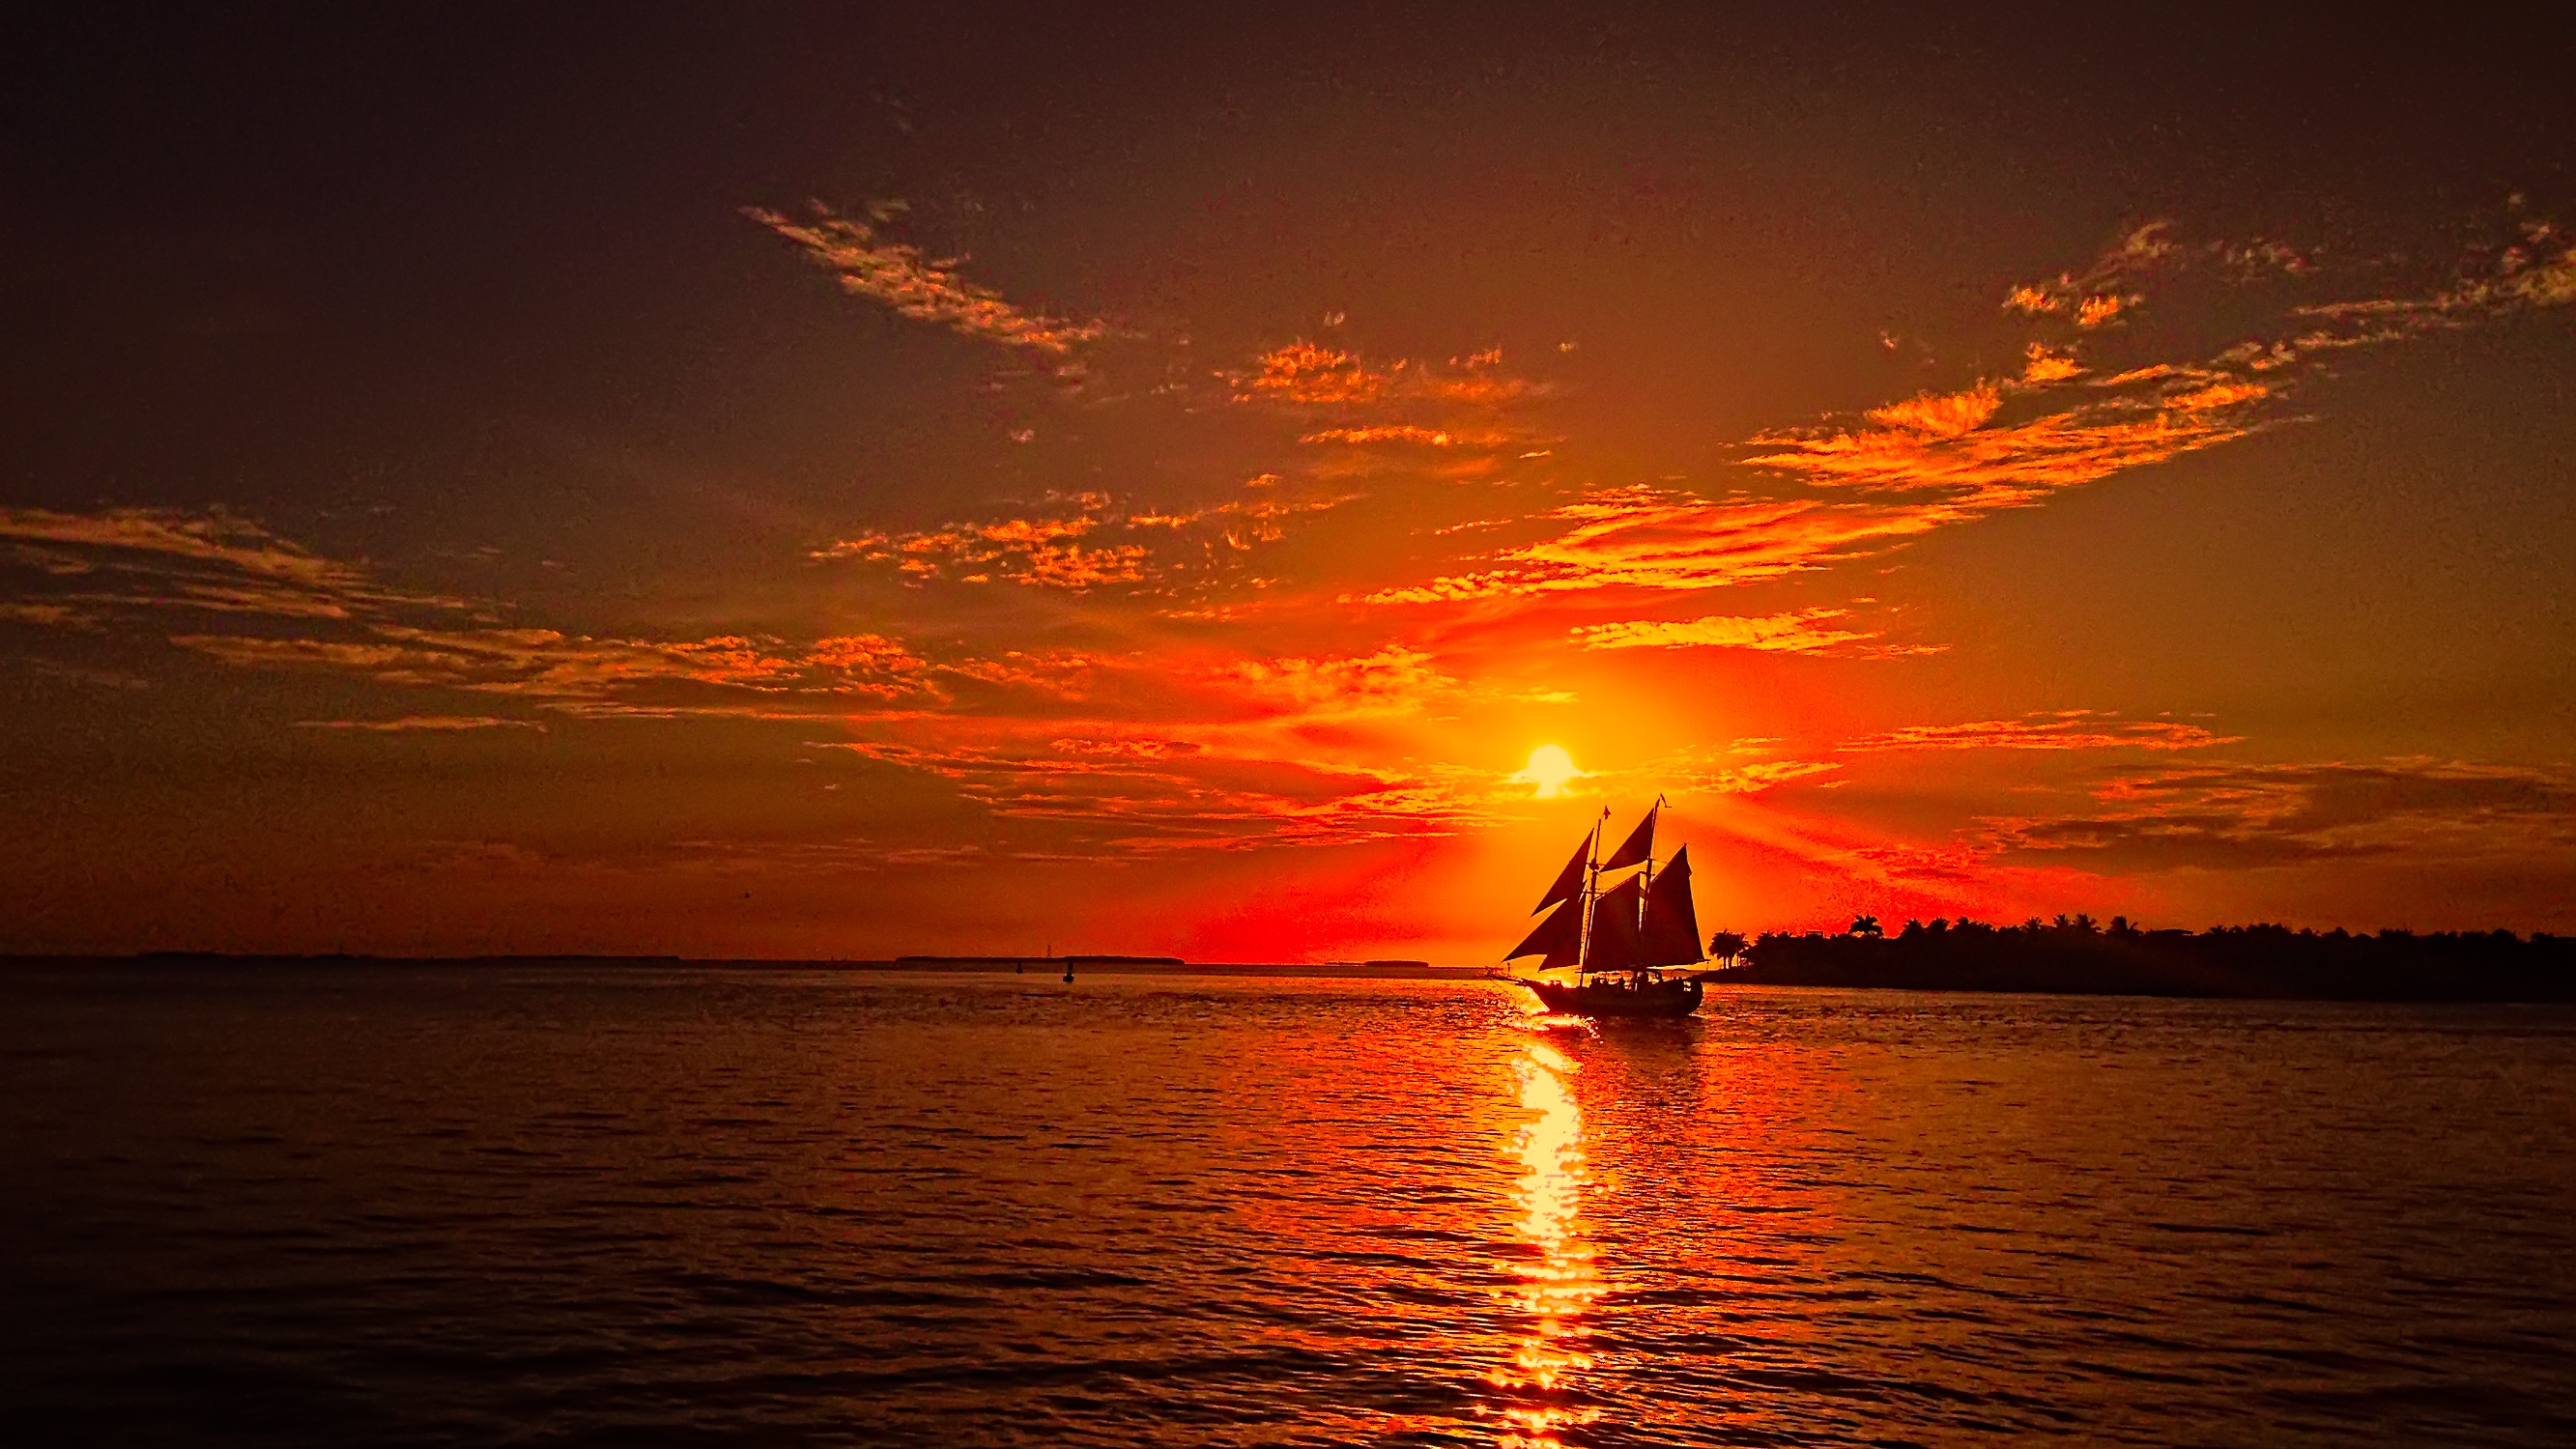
point(1558, 1279)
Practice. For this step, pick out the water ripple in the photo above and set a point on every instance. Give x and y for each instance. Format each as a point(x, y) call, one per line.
point(578, 1205)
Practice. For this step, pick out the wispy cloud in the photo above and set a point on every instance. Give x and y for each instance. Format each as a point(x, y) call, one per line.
point(1241, 522)
point(2063, 419)
point(2243, 816)
point(1196, 752)
point(2013, 441)
point(2066, 729)
point(1805, 631)
point(1045, 551)
point(2009, 441)
point(915, 285)
point(1394, 417)
point(1904, 469)
point(429, 723)
point(2536, 269)
point(216, 538)
point(1311, 375)
point(1404, 433)
point(1066, 550)
point(2101, 292)
point(1394, 680)
point(546, 664)
point(1737, 768)
point(156, 558)
point(1118, 789)
point(1645, 537)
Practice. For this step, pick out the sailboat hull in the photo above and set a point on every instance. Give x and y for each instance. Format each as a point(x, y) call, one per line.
point(1652, 999)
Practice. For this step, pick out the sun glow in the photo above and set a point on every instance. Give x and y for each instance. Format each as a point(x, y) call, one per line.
point(1549, 768)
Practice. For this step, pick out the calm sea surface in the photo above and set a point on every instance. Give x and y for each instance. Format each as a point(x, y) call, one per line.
point(393, 1205)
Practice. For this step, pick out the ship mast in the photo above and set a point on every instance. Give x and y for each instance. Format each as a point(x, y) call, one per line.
point(1648, 879)
point(1591, 889)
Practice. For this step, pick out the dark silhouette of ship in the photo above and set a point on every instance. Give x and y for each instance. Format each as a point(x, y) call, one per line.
point(1619, 942)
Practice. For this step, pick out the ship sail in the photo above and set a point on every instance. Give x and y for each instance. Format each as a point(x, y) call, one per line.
point(1559, 938)
point(1617, 938)
point(1640, 845)
point(1569, 882)
point(1614, 929)
point(1670, 936)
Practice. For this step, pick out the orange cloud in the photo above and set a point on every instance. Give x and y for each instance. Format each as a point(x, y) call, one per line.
point(898, 275)
point(1804, 632)
point(1649, 538)
point(1941, 415)
point(1306, 374)
point(1047, 551)
point(1040, 551)
point(2072, 729)
point(2034, 300)
point(2096, 311)
point(1073, 567)
point(1061, 674)
point(1394, 680)
point(1263, 513)
point(2045, 366)
point(1949, 457)
point(2092, 297)
point(1961, 444)
point(1398, 433)
point(2001, 443)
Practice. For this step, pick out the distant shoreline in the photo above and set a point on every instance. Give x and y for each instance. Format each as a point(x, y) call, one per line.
point(1111, 965)
point(2261, 963)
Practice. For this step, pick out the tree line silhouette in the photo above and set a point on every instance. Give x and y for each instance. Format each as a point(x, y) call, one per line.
point(2075, 955)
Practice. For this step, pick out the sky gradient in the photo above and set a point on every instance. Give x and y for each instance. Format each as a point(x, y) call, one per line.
point(852, 483)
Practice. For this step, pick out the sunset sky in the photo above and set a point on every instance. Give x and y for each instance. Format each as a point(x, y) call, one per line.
point(829, 483)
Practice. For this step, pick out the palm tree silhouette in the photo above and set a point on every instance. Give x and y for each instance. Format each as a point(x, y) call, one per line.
point(1866, 926)
point(1726, 945)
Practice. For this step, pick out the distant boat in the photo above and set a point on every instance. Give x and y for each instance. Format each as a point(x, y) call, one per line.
point(1618, 942)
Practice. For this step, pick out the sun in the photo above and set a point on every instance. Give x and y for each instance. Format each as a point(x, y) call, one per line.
point(1549, 768)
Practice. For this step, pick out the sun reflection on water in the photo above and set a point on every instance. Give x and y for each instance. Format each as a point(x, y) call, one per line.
point(1557, 1278)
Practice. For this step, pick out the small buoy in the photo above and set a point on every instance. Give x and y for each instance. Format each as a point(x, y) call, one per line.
point(1068, 973)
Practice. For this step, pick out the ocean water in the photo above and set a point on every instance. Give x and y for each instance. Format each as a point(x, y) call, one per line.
point(677, 1205)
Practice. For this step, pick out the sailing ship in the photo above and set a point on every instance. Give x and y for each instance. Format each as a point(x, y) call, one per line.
point(1618, 942)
